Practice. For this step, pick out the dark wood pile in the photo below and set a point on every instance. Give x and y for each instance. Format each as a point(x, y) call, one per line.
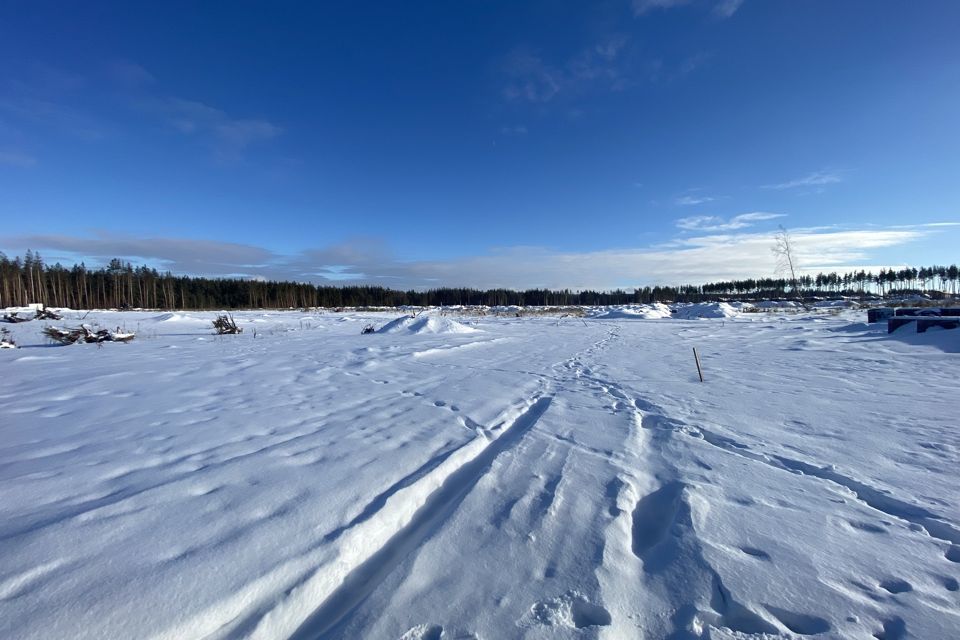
point(48, 314)
point(6, 340)
point(84, 334)
point(225, 324)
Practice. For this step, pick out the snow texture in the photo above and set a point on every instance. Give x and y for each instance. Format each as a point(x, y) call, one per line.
point(531, 479)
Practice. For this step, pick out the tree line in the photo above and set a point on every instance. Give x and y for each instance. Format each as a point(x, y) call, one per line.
point(939, 279)
point(119, 285)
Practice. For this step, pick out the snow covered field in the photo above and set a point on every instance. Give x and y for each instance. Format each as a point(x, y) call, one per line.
point(530, 477)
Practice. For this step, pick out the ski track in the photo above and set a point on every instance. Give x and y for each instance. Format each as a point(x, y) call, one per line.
point(438, 506)
point(323, 595)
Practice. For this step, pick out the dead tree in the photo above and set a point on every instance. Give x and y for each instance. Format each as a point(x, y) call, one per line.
point(13, 318)
point(786, 260)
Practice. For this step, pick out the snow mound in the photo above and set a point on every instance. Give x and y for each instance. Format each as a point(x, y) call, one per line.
point(425, 324)
point(776, 304)
point(705, 310)
point(173, 317)
point(634, 312)
point(835, 304)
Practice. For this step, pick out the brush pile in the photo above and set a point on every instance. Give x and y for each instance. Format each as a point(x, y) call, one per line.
point(84, 334)
point(48, 314)
point(225, 324)
point(41, 314)
point(6, 341)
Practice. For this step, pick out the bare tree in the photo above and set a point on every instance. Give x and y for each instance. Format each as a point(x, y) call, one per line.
point(786, 260)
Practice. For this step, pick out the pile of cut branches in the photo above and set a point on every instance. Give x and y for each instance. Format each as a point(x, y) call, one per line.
point(225, 324)
point(14, 318)
point(84, 334)
point(48, 314)
point(6, 341)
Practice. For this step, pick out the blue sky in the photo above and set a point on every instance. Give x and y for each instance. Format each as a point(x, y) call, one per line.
point(578, 144)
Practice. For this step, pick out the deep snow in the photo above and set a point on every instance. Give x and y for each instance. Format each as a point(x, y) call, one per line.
point(532, 478)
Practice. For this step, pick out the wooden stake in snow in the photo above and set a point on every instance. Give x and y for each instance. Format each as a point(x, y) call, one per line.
point(696, 357)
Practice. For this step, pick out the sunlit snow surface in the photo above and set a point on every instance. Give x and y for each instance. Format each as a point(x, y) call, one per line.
point(538, 477)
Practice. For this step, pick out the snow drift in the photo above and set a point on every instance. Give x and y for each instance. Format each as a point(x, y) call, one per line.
point(634, 312)
point(425, 324)
point(705, 310)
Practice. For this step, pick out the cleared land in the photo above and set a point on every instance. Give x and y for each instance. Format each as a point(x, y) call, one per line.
point(492, 478)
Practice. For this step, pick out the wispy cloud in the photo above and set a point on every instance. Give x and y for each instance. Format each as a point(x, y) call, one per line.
point(230, 135)
point(17, 159)
point(689, 201)
point(44, 97)
point(33, 111)
point(715, 223)
point(726, 8)
point(129, 74)
point(700, 258)
point(182, 255)
point(513, 130)
point(815, 179)
point(531, 78)
point(640, 7)
point(721, 8)
point(52, 98)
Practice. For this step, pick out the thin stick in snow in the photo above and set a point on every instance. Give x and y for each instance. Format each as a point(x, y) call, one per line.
point(696, 357)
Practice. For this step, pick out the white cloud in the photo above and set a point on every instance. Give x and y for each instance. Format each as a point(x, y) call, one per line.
point(815, 179)
point(641, 7)
point(181, 255)
point(726, 8)
point(722, 9)
point(716, 223)
point(697, 259)
point(686, 201)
